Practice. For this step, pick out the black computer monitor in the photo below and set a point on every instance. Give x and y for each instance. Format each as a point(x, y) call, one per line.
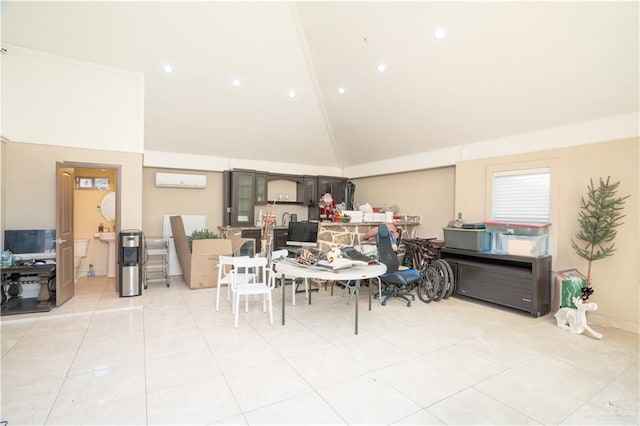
point(32, 243)
point(302, 234)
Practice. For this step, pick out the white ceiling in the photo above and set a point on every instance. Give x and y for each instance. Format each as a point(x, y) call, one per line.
point(504, 68)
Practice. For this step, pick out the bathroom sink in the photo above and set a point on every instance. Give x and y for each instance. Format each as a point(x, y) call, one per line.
point(107, 237)
point(110, 239)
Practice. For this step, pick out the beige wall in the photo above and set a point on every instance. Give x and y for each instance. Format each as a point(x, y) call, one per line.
point(428, 193)
point(161, 201)
point(30, 178)
point(615, 279)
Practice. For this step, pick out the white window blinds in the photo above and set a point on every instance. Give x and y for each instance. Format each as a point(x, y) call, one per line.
point(521, 196)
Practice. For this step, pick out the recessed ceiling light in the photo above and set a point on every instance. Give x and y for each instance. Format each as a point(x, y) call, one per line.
point(439, 33)
point(341, 90)
point(168, 69)
point(382, 67)
point(236, 83)
point(292, 93)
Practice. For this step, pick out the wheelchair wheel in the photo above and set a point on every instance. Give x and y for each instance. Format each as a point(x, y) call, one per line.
point(429, 285)
point(451, 285)
point(443, 277)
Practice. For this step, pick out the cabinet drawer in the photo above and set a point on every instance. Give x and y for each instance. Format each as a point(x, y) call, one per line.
point(498, 284)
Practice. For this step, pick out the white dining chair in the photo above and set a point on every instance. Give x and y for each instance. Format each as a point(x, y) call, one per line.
point(251, 276)
point(282, 254)
point(225, 266)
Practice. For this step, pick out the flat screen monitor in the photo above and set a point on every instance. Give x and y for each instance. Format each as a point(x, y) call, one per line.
point(302, 234)
point(31, 243)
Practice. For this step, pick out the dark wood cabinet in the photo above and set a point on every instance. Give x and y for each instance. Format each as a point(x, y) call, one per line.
point(262, 182)
point(334, 186)
point(256, 234)
point(310, 194)
point(245, 189)
point(239, 197)
point(518, 282)
point(280, 238)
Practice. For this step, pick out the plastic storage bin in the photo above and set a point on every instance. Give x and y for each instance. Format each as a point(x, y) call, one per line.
point(523, 245)
point(467, 239)
point(517, 228)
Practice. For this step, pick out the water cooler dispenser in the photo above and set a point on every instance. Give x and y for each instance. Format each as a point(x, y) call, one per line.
point(130, 259)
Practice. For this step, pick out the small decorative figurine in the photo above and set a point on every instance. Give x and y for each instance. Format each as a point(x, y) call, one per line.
point(575, 320)
point(327, 207)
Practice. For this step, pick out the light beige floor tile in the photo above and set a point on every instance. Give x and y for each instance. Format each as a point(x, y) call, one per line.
point(547, 390)
point(262, 385)
point(296, 343)
point(617, 403)
point(235, 420)
point(30, 403)
point(178, 369)
point(498, 349)
point(201, 402)
point(326, 367)
point(611, 355)
point(368, 400)
point(162, 345)
point(126, 411)
point(422, 417)
point(89, 389)
point(453, 346)
point(463, 365)
point(92, 359)
point(473, 407)
point(239, 355)
point(420, 382)
point(305, 409)
point(374, 353)
point(20, 370)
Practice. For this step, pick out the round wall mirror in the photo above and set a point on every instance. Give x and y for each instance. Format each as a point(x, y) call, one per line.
point(108, 206)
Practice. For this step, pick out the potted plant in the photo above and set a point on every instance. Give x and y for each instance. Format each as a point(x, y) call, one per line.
point(201, 234)
point(599, 216)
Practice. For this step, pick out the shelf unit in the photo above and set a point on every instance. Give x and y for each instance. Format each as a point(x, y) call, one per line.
point(156, 266)
point(517, 282)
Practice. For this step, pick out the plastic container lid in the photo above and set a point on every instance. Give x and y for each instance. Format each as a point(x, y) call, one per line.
point(518, 225)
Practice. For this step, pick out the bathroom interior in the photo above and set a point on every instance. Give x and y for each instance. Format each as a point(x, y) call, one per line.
point(94, 221)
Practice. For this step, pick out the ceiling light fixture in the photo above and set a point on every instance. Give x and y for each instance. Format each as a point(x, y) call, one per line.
point(236, 83)
point(168, 69)
point(292, 93)
point(439, 33)
point(382, 67)
point(341, 90)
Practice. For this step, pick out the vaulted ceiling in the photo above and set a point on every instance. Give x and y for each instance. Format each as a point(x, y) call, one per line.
point(502, 68)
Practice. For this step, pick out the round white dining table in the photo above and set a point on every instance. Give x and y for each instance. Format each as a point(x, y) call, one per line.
point(290, 267)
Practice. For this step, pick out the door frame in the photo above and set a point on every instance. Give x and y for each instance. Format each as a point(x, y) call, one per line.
point(118, 171)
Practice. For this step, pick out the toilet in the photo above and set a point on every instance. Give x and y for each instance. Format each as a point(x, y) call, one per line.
point(79, 252)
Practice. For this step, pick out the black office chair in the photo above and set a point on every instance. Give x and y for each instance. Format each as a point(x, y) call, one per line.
point(397, 283)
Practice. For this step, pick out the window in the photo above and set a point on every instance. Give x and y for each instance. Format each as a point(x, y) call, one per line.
point(521, 196)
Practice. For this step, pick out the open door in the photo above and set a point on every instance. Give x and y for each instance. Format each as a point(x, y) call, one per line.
point(65, 285)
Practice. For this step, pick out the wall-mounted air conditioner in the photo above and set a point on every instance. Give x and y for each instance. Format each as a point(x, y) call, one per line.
point(176, 180)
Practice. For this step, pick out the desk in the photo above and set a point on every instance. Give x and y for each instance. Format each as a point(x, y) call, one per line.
point(356, 273)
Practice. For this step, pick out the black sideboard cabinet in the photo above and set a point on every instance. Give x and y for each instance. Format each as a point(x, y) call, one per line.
point(518, 282)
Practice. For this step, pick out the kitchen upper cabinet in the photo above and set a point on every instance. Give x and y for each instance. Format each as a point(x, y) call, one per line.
point(239, 196)
point(262, 182)
point(309, 195)
point(334, 186)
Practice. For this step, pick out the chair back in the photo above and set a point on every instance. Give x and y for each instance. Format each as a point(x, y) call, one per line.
point(225, 264)
point(251, 270)
point(386, 253)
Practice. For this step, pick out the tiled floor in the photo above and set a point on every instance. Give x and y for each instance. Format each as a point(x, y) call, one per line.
point(168, 358)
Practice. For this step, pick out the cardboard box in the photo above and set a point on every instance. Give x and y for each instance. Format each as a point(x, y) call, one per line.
point(200, 267)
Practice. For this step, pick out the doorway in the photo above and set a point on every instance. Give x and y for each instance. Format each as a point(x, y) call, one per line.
point(81, 219)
